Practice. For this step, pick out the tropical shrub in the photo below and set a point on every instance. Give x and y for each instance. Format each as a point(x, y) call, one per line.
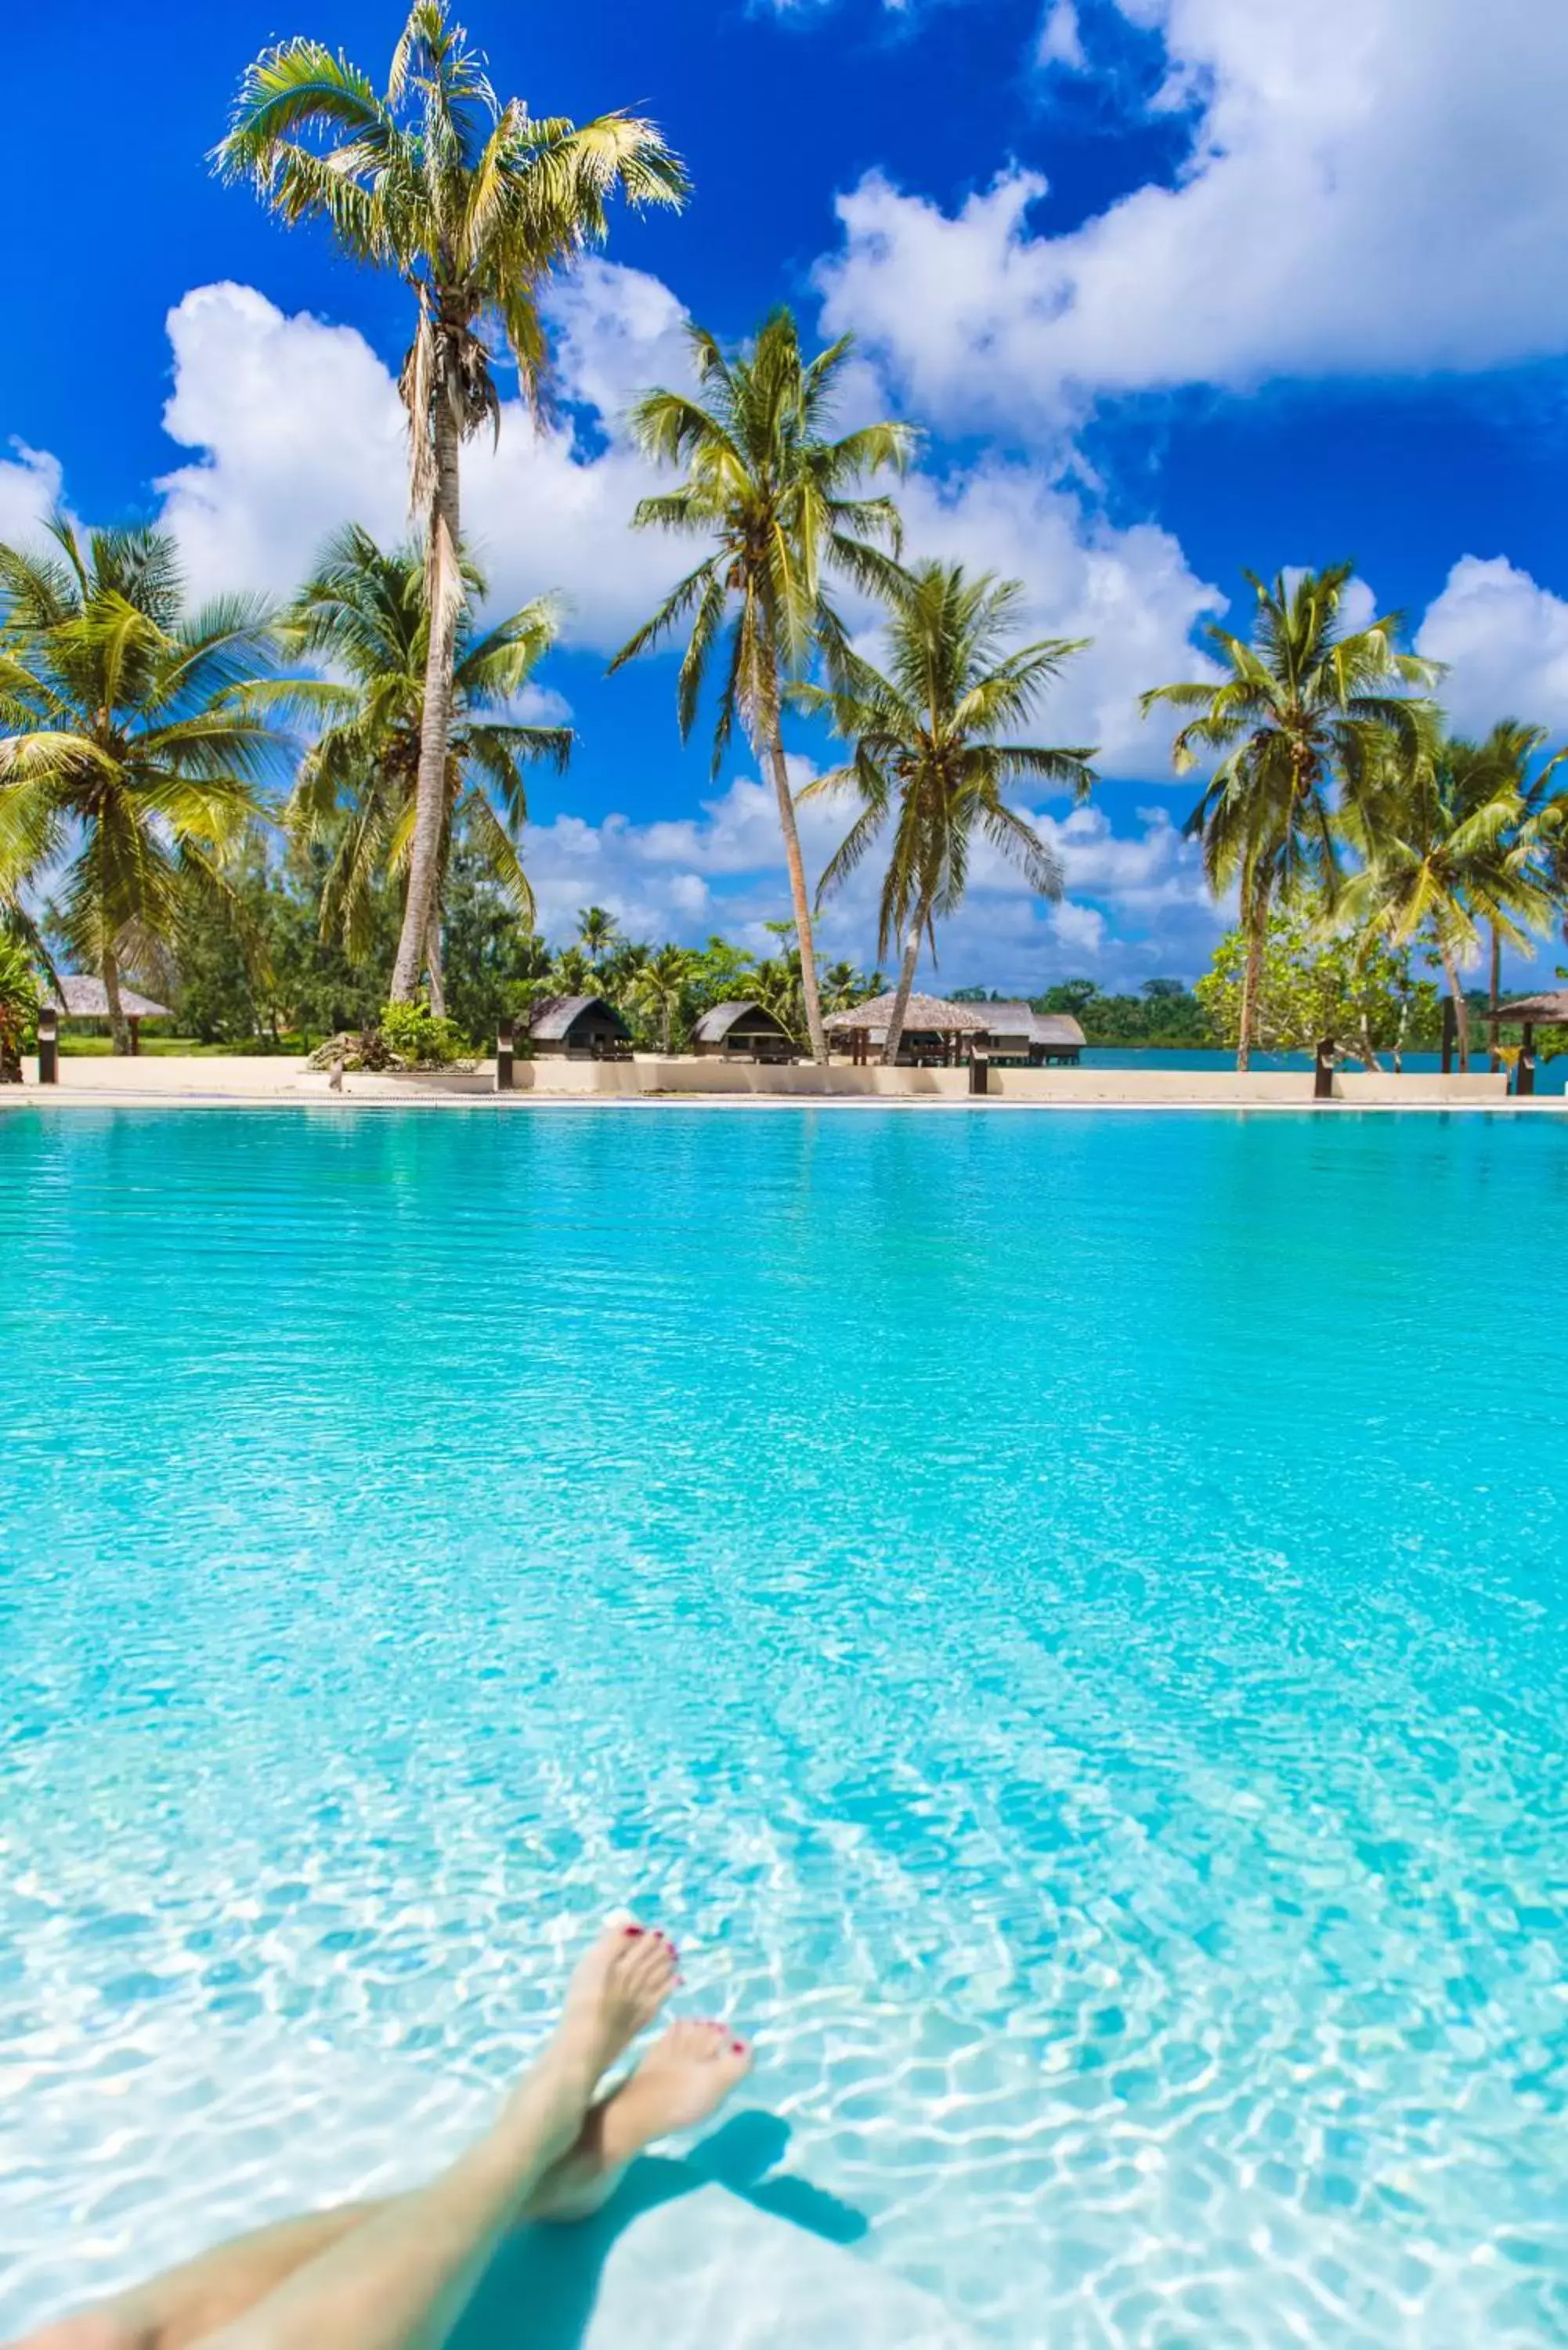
point(19, 1002)
point(421, 1038)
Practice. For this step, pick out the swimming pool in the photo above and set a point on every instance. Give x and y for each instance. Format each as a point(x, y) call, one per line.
point(1065, 1617)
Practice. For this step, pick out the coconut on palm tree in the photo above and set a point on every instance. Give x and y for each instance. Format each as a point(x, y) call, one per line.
point(132, 758)
point(775, 496)
point(473, 203)
point(935, 749)
point(1303, 718)
point(364, 613)
point(1452, 843)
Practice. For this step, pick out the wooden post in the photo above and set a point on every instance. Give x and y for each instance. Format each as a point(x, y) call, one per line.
point(505, 1045)
point(1524, 1082)
point(135, 1026)
point(1450, 1030)
point(1323, 1070)
point(49, 1045)
point(979, 1073)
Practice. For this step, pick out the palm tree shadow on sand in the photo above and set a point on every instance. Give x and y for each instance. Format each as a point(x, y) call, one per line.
point(542, 2287)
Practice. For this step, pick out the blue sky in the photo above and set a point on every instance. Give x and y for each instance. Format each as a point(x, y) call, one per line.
point(1173, 287)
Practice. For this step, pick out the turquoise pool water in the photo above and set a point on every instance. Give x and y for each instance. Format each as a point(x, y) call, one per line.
point(1066, 1617)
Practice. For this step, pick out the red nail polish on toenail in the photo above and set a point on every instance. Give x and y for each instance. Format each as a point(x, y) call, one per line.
point(631, 1932)
point(738, 2048)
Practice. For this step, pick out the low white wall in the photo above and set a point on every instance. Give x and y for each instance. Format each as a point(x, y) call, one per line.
point(1378, 1088)
point(263, 1077)
point(648, 1074)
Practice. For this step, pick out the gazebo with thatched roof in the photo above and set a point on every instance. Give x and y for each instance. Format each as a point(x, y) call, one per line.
point(936, 1033)
point(82, 998)
point(1527, 1014)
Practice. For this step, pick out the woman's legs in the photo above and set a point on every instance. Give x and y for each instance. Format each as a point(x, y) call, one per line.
point(610, 1997)
point(686, 2076)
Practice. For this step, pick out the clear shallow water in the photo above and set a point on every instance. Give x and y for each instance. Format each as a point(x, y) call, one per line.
point(1065, 1615)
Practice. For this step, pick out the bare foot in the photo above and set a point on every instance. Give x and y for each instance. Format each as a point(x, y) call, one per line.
point(686, 2075)
point(616, 1990)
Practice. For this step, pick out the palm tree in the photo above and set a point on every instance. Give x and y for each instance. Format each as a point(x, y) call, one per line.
point(1303, 717)
point(131, 756)
point(934, 751)
point(661, 985)
point(363, 612)
point(597, 933)
point(571, 973)
point(474, 204)
point(1452, 842)
point(1509, 752)
point(773, 494)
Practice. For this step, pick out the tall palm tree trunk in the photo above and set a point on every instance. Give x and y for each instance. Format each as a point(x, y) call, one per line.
point(1494, 1059)
point(120, 1026)
point(1252, 975)
point(445, 591)
point(1461, 1008)
point(799, 898)
point(905, 984)
point(433, 966)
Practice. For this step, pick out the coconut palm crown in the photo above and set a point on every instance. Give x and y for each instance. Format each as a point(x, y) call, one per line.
point(474, 202)
point(776, 496)
point(1302, 721)
point(935, 749)
point(131, 756)
point(363, 612)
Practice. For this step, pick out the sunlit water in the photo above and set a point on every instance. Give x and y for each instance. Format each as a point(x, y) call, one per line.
point(1064, 1617)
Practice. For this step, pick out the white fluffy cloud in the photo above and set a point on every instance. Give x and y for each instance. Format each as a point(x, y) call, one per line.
point(1135, 905)
point(299, 428)
point(30, 485)
point(1374, 185)
point(1130, 592)
point(1505, 640)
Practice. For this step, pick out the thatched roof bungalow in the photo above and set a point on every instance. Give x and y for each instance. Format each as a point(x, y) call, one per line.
point(1016, 1032)
point(936, 1033)
point(78, 997)
point(742, 1032)
point(578, 1028)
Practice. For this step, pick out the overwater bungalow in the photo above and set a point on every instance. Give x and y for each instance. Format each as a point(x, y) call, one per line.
point(578, 1028)
point(742, 1032)
point(1028, 1039)
point(81, 998)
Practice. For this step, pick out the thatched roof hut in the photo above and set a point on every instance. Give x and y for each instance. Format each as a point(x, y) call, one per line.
point(78, 997)
point(1529, 1013)
point(743, 1031)
point(1547, 1010)
point(88, 998)
point(578, 1028)
point(934, 1028)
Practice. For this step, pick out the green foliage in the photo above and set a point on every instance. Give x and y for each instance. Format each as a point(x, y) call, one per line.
point(132, 759)
point(1352, 985)
point(421, 1038)
point(364, 613)
point(1304, 724)
point(1165, 1015)
point(19, 1002)
point(778, 501)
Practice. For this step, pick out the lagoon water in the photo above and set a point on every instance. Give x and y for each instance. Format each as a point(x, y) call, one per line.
point(1066, 1617)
